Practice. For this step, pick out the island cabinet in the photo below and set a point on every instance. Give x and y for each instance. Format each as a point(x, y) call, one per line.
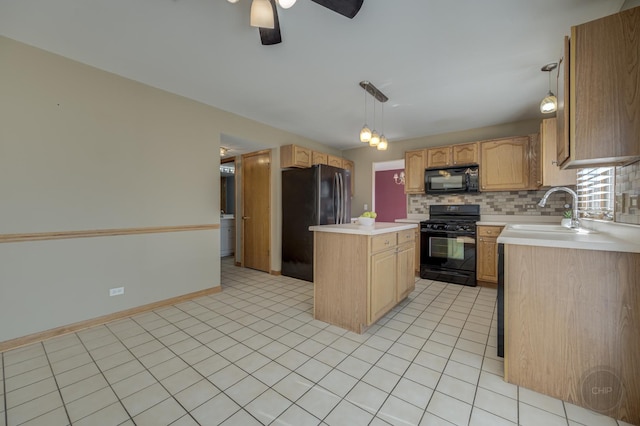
point(505, 164)
point(414, 164)
point(571, 326)
point(358, 278)
point(601, 118)
point(487, 255)
point(454, 155)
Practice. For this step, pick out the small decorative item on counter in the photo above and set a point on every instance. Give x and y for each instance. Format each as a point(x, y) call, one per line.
point(367, 218)
point(566, 219)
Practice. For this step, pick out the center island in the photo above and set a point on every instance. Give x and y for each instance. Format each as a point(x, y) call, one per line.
point(361, 272)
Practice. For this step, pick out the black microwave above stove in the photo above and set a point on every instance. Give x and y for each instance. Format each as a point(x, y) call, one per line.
point(446, 180)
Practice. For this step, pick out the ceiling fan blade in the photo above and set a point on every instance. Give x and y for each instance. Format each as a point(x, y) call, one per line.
point(270, 36)
point(348, 8)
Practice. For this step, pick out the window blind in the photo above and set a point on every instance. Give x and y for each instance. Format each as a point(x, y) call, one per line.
point(595, 188)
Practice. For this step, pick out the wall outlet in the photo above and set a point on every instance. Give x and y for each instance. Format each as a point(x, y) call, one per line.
point(530, 206)
point(366, 207)
point(116, 291)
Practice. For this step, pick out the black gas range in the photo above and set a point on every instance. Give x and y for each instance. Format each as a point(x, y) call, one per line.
point(448, 243)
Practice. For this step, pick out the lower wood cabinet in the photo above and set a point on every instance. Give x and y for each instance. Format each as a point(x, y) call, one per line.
point(487, 255)
point(359, 278)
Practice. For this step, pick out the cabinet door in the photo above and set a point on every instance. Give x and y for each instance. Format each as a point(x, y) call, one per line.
point(439, 157)
point(505, 165)
point(487, 253)
point(382, 293)
point(319, 158)
point(465, 154)
point(605, 86)
point(562, 115)
point(487, 259)
point(334, 161)
point(294, 156)
point(551, 173)
point(414, 164)
point(406, 282)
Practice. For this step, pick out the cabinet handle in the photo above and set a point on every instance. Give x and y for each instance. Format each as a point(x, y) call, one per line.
point(245, 217)
point(554, 162)
point(488, 232)
point(386, 243)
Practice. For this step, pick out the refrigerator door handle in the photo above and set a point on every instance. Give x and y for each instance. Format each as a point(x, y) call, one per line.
point(343, 206)
point(335, 196)
point(339, 215)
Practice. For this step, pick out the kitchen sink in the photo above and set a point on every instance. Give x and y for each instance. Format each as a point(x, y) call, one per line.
point(550, 228)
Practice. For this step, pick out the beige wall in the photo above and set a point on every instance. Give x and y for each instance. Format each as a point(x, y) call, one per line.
point(84, 149)
point(365, 157)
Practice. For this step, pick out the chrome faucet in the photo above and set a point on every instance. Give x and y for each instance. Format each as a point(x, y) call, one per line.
point(575, 221)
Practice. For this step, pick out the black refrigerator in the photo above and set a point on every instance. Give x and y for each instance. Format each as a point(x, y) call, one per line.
point(319, 195)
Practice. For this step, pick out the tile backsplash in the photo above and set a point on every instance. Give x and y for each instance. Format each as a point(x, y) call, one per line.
point(627, 194)
point(524, 203)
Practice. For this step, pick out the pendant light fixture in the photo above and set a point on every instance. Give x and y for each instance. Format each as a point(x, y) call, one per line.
point(262, 14)
point(366, 135)
point(286, 4)
point(375, 137)
point(550, 103)
point(365, 132)
point(382, 145)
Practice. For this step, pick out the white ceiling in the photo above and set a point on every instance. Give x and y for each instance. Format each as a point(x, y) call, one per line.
point(445, 65)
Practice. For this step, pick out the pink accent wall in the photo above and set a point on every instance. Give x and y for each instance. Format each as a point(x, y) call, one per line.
point(391, 201)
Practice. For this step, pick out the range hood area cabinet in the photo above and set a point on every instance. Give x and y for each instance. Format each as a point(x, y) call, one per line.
point(599, 93)
point(455, 155)
point(416, 161)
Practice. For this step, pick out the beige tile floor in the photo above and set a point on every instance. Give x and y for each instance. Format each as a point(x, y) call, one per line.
point(253, 355)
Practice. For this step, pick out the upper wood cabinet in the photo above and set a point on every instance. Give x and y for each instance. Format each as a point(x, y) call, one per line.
point(604, 91)
point(414, 164)
point(552, 175)
point(334, 161)
point(505, 164)
point(439, 157)
point(446, 156)
point(294, 156)
point(465, 154)
point(319, 158)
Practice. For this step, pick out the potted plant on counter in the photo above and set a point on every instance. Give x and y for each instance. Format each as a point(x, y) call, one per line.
point(566, 219)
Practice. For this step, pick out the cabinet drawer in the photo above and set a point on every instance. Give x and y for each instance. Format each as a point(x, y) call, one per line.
point(489, 231)
point(406, 236)
point(383, 241)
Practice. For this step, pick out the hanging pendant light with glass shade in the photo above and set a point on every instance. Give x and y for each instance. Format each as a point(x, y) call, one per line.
point(262, 14)
point(375, 137)
point(286, 4)
point(382, 145)
point(550, 103)
point(365, 133)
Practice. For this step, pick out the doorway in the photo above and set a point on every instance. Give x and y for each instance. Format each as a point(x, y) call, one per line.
point(256, 210)
point(389, 199)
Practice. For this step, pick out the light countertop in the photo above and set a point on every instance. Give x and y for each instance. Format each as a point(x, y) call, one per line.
point(357, 229)
point(609, 237)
